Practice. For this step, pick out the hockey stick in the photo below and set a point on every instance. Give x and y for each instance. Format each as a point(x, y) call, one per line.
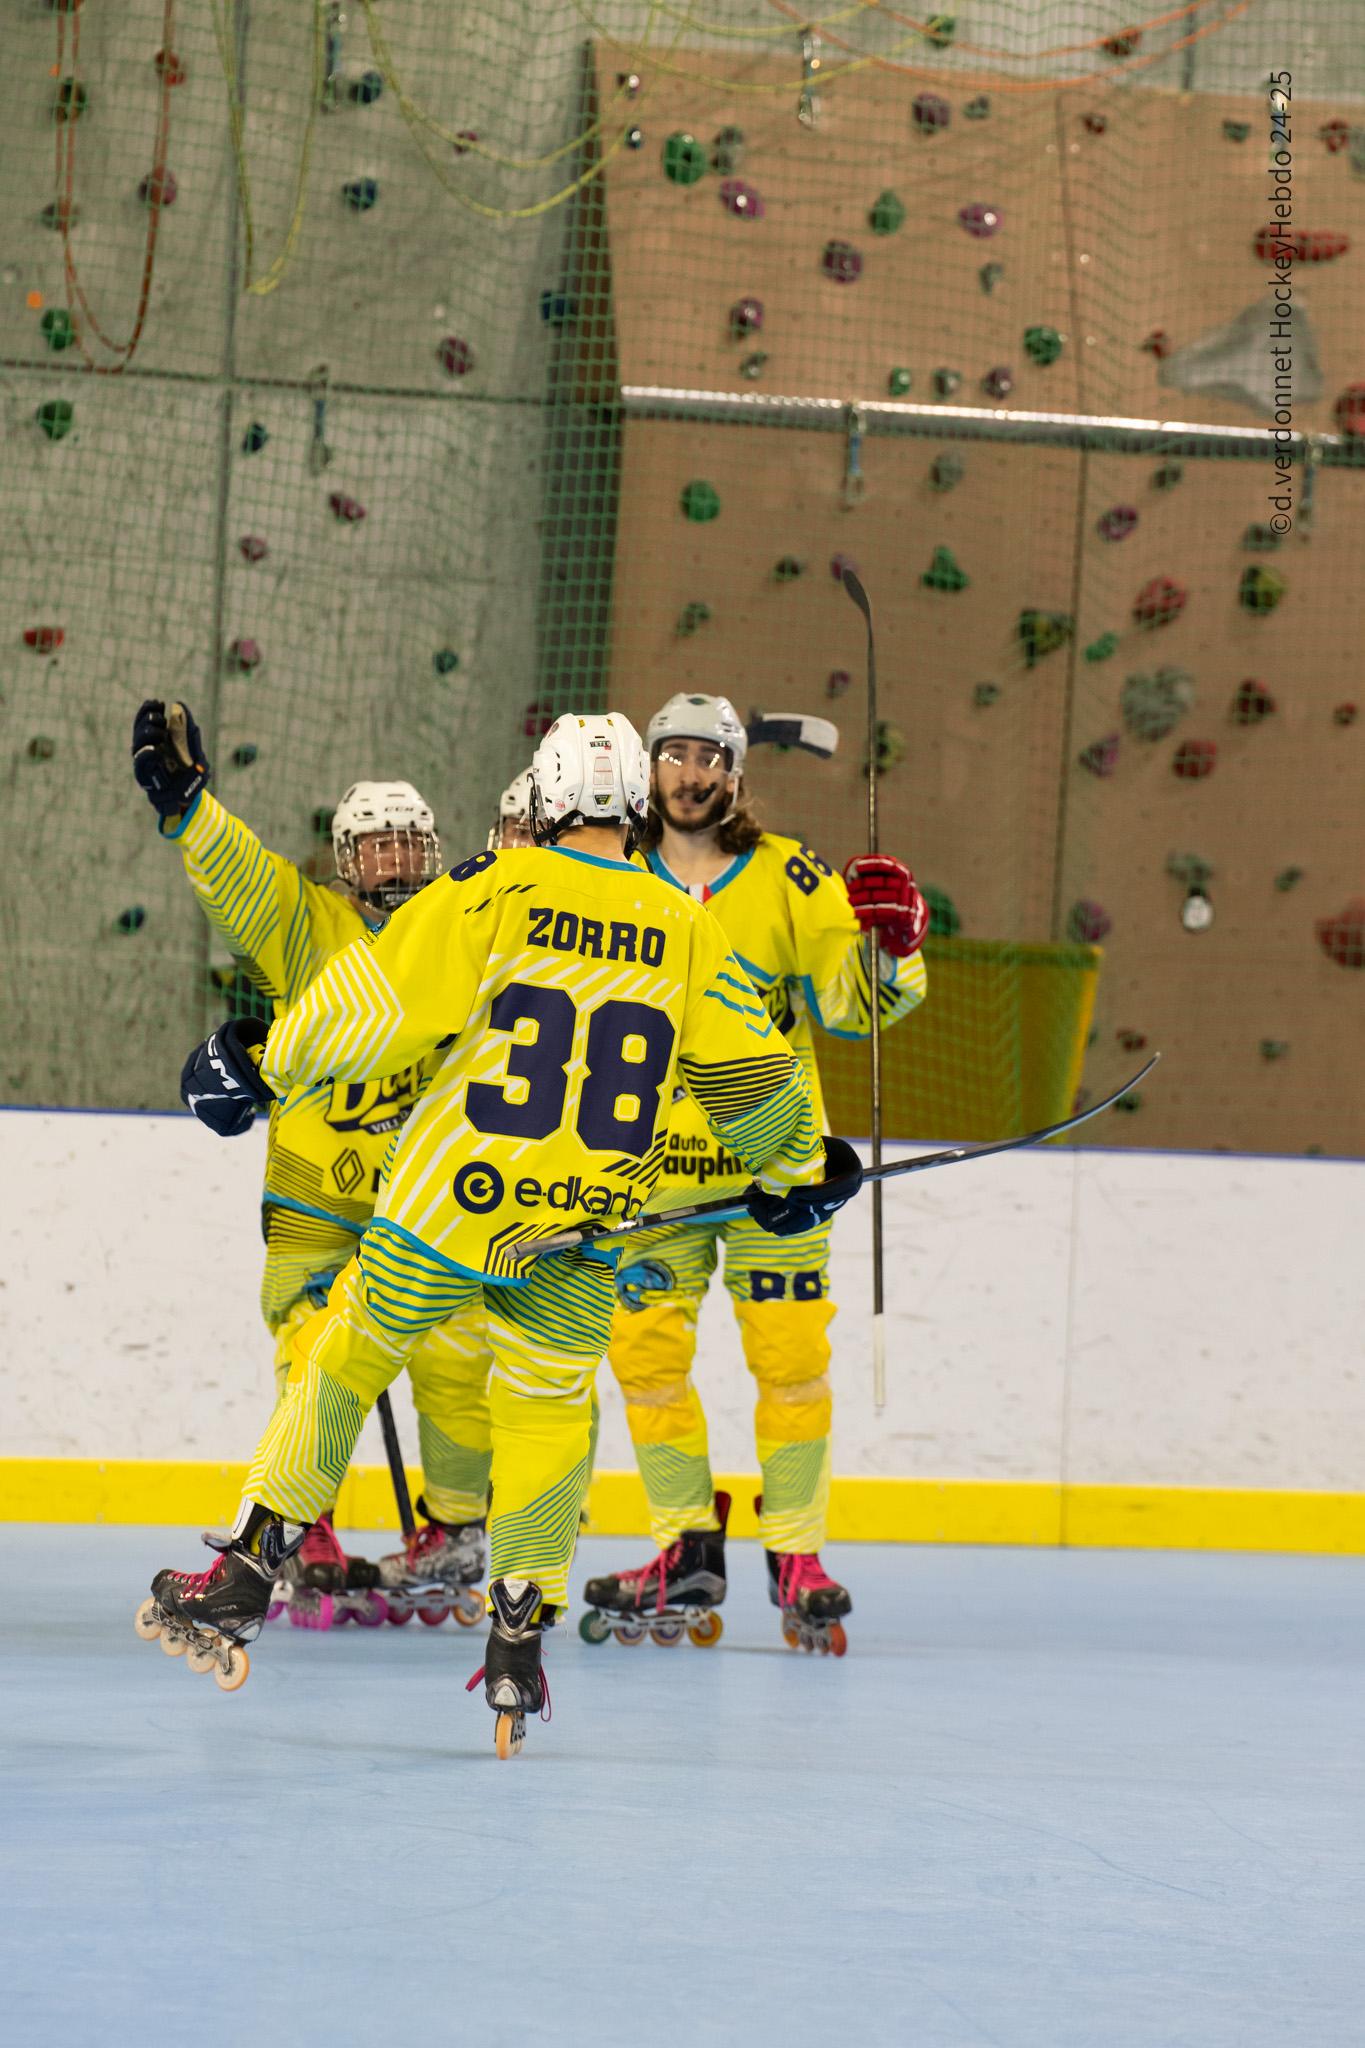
point(853, 585)
point(394, 1453)
point(793, 729)
point(723, 1207)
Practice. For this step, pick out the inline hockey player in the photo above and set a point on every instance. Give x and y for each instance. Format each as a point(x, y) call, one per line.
point(326, 1145)
point(798, 932)
point(560, 991)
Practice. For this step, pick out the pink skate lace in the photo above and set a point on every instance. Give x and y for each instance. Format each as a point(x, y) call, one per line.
point(800, 1572)
point(429, 1537)
point(657, 1569)
point(195, 1582)
point(320, 1545)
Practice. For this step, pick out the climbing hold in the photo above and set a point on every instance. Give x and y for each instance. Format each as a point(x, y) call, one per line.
point(1308, 245)
point(1196, 912)
point(366, 89)
point(158, 188)
point(1101, 649)
point(455, 356)
point(1274, 1048)
point(58, 328)
point(742, 200)
point(929, 113)
point(700, 502)
point(465, 140)
point(56, 417)
point(244, 656)
point(746, 317)
point(1167, 476)
point(1117, 523)
point(44, 639)
point(252, 547)
point(944, 922)
point(940, 29)
point(890, 747)
point(61, 214)
point(628, 84)
point(254, 439)
point(131, 920)
point(1131, 1041)
point(321, 822)
point(1261, 589)
point(1344, 714)
point(1342, 937)
point(946, 382)
point(986, 694)
point(839, 566)
point(1159, 601)
point(1252, 703)
point(752, 366)
point(1153, 706)
point(1042, 345)
point(1130, 1104)
point(1350, 410)
point(979, 220)
point(837, 681)
point(727, 151)
point(1101, 757)
point(445, 661)
point(999, 382)
point(361, 194)
point(1194, 759)
point(635, 138)
point(1041, 633)
point(1123, 44)
point(70, 101)
point(788, 568)
point(1158, 344)
point(1287, 879)
point(1236, 131)
point(978, 109)
point(1087, 923)
point(684, 159)
point(898, 382)
point(1094, 124)
point(946, 471)
point(41, 747)
point(1335, 134)
point(886, 214)
point(348, 511)
point(1191, 869)
point(558, 308)
point(1260, 540)
point(243, 756)
point(691, 617)
point(841, 262)
point(536, 721)
point(171, 68)
point(944, 573)
point(989, 276)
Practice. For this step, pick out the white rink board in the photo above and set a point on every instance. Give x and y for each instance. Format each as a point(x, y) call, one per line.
point(1127, 1317)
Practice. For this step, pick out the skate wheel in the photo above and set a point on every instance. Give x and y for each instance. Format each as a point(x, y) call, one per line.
point(792, 1638)
point(707, 1631)
point(432, 1617)
point(238, 1670)
point(146, 1623)
point(274, 1610)
point(630, 1633)
point(666, 1633)
point(174, 1646)
point(468, 1610)
point(341, 1617)
point(593, 1627)
point(201, 1657)
point(838, 1641)
point(399, 1617)
point(372, 1613)
point(506, 1740)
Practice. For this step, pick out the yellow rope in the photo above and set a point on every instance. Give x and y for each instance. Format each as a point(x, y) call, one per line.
point(262, 285)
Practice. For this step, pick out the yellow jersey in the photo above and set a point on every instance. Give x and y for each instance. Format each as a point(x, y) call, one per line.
point(562, 996)
point(794, 932)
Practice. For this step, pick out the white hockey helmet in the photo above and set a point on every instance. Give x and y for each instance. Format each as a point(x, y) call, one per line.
point(588, 770)
point(694, 717)
point(370, 807)
point(514, 808)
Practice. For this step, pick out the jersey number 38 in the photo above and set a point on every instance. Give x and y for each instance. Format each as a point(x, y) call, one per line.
point(628, 1051)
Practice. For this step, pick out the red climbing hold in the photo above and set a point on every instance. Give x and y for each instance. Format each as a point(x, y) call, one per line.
point(1309, 245)
point(44, 639)
point(171, 67)
point(840, 565)
point(1336, 135)
point(1194, 759)
point(1345, 714)
point(1123, 44)
point(536, 721)
point(1342, 937)
point(253, 547)
point(348, 510)
point(1131, 1041)
point(1158, 344)
point(158, 188)
point(1159, 601)
point(455, 356)
point(464, 141)
point(1094, 124)
point(1252, 703)
point(1350, 409)
point(244, 656)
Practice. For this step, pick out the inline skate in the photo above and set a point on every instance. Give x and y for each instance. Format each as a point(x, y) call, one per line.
point(673, 1596)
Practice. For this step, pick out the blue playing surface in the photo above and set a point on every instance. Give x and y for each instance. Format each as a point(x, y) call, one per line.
point(1049, 1798)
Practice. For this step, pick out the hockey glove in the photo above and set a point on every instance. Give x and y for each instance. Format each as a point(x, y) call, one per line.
point(884, 897)
point(221, 1080)
point(168, 756)
point(800, 1209)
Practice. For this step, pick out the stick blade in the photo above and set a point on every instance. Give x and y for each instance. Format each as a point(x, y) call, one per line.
point(853, 584)
point(809, 735)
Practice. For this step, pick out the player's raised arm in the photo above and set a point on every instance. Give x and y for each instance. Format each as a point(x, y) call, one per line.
point(830, 919)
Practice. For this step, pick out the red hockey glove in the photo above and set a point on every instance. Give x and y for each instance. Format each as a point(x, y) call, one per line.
point(884, 897)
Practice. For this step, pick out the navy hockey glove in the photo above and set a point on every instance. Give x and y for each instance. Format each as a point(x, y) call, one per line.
point(803, 1208)
point(221, 1080)
point(168, 756)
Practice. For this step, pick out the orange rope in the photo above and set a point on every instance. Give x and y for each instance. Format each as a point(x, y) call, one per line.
point(66, 179)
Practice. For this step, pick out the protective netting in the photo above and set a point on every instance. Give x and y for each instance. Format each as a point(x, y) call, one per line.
point(381, 380)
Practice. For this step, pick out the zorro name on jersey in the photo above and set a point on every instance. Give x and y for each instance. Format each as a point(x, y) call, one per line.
point(479, 1188)
point(567, 933)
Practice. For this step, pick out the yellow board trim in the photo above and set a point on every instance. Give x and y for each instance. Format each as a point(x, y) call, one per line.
point(862, 1510)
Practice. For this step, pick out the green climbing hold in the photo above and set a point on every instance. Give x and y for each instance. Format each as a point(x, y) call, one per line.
point(58, 328)
point(700, 502)
point(131, 920)
point(1191, 870)
point(243, 756)
point(1236, 131)
point(946, 472)
point(752, 366)
point(56, 417)
point(946, 382)
point(1274, 1048)
point(984, 694)
point(1167, 476)
point(1260, 540)
point(1129, 1104)
point(788, 569)
point(1101, 649)
point(70, 102)
point(691, 617)
point(944, 573)
point(940, 29)
point(890, 747)
point(1287, 879)
point(944, 922)
point(1042, 344)
point(989, 276)
point(255, 438)
point(977, 109)
point(886, 215)
point(445, 661)
point(684, 159)
point(899, 382)
point(321, 822)
point(1261, 589)
point(41, 747)
point(1042, 633)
